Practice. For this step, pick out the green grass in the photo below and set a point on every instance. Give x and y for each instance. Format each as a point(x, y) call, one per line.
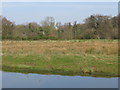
point(76, 65)
point(56, 57)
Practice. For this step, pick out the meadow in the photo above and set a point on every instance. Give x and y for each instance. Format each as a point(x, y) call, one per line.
point(98, 58)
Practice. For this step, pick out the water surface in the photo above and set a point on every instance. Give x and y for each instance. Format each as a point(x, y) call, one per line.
point(19, 80)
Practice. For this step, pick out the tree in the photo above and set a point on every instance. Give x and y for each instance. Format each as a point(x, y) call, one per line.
point(75, 30)
point(48, 25)
point(95, 27)
point(101, 25)
point(7, 28)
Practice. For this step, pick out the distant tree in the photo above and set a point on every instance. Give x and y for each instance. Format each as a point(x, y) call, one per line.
point(75, 29)
point(67, 31)
point(94, 27)
point(0, 27)
point(7, 28)
point(101, 25)
point(48, 25)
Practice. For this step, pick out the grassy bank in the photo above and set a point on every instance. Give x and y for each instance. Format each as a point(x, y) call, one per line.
point(76, 57)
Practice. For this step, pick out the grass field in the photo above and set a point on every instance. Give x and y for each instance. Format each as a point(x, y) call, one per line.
point(73, 57)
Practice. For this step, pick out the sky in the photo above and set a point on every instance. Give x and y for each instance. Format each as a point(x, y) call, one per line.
point(24, 12)
point(60, 0)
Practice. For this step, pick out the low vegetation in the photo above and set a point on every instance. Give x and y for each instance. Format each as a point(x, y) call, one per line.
point(71, 57)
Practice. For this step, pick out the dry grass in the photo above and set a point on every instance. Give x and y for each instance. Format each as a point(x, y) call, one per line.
point(89, 56)
point(59, 47)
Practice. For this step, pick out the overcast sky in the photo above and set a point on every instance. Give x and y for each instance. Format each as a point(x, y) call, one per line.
point(23, 12)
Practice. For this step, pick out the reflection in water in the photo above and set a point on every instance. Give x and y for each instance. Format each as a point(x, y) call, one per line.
point(18, 80)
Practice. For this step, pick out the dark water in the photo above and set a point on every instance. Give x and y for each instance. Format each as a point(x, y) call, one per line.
point(19, 80)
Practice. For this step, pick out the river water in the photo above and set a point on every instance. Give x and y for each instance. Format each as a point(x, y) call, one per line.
point(19, 80)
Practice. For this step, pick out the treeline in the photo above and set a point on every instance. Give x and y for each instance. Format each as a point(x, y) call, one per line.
point(94, 27)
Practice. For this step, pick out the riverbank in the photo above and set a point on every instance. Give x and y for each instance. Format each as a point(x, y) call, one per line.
point(76, 57)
